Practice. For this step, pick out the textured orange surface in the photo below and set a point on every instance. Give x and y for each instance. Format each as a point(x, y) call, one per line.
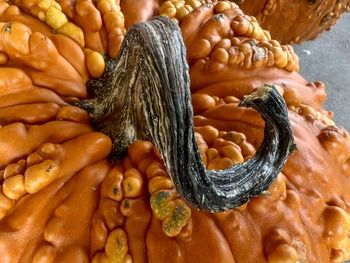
point(62, 201)
point(296, 21)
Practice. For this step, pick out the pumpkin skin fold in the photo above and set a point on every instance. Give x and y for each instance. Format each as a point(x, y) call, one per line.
point(96, 211)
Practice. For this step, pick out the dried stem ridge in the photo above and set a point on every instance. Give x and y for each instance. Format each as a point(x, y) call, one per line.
point(145, 94)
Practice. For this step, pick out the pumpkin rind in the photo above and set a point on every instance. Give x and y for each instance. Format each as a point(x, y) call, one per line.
point(76, 217)
point(288, 22)
point(295, 22)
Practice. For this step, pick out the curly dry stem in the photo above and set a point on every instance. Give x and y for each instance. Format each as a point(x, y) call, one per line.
point(145, 94)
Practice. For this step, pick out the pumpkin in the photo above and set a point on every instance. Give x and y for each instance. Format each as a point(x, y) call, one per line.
point(295, 22)
point(288, 22)
point(63, 199)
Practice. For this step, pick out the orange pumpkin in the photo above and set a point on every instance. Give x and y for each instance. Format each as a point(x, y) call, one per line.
point(62, 200)
point(294, 22)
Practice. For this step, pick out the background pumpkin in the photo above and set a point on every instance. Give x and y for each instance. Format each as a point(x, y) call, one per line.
point(288, 22)
point(61, 201)
point(294, 22)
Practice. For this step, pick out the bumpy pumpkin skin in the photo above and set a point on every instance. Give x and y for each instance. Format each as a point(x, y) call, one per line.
point(62, 201)
point(288, 22)
point(296, 21)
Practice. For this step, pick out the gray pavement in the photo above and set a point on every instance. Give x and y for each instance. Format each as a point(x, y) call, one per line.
point(328, 59)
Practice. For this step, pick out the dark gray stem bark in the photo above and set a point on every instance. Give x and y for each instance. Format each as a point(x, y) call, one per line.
point(145, 94)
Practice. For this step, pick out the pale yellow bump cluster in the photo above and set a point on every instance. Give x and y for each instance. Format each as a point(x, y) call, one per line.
point(229, 148)
point(279, 55)
point(222, 6)
point(110, 9)
point(94, 62)
point(178, 9)
point(253, 54)
point(28, 176)
point(248, 26)
point(223, 154)
point(116, 249)
point(114, 22)
point(108, 221)
point(249, 47)
point(132, 183)
point(165, 203)
point(283, 55)
point(51, 13)
point(237, 137)
point(132, 187)
point(222, 149)
point(311, 113)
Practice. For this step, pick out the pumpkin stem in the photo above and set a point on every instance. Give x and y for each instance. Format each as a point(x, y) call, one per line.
point(145, 94)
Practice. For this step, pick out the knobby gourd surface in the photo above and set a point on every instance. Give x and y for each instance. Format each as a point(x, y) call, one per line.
point(287, 22)
point(296, 21)
point(152, 100)
point(61, 198)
